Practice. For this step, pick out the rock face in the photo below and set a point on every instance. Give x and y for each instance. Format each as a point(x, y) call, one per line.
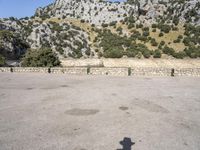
point(11, 46)
point(98, 12)
point(50, 28)
point(62, 37)
point(93, 11)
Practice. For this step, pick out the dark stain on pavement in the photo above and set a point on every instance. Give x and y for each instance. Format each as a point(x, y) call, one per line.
point(49, 88)
point(52, 87)
point(2, 95)
point(29, 88)
point(114, 94)
point(123, 108)
point(64, 86)
point(149, 106)
point(82, 112)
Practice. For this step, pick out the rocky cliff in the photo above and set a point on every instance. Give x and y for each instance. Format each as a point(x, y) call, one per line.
point(96, 28)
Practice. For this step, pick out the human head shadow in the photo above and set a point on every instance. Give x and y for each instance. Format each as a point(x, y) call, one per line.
point(126, 144)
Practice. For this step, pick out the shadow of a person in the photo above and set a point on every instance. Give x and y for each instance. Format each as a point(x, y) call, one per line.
point(126, 144)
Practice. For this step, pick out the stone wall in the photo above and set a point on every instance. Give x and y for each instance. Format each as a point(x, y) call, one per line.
point(109, 71)
point(5, 69)
point(82, 62)
point(112, 71)
point(151, 71)
point(30, 69)
point(70, 70)
point(187, 72)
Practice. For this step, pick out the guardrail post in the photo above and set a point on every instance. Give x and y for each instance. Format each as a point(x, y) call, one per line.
point(11, 70)
point(129, 71)
point(88, 70)
point(172, 72)
point(49, 70)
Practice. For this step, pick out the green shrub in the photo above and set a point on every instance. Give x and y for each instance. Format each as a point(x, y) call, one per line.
point(82, 21)
point(165, 28)
point(145, 29)
point(88, 52)
point(2, 60)
point(56, 26)
point(139, 26)
point(139, 55)
point(168, 50)
point(175, 29)
point(162, 43)
point(60, 50)
point(113, 53)
point(136, 34)
point(130, 20)
point(113, 23)
point(180, 37)
point(131, 25)
point(112, 44)
point(177, 41)
point(100, 54)
point(157, 54)
point(187, 41)
point(104, 25)
point(146, 33)
point(142, 38)
point(43, 57)
point(154, 26)
point(176, 20)
point(131, 52)
point(154, 30)
point(192, 52)
point(161, 34)
point(179, 55)
point(5, 34)
point(146, 54)
point(119, 29)
point(153, 42)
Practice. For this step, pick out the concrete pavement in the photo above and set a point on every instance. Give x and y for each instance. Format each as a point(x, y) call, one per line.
point(63, 112)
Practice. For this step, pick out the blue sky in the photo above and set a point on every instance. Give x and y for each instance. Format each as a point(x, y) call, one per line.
point(21, 8)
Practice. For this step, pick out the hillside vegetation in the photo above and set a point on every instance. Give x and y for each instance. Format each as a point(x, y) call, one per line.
point(95, 29)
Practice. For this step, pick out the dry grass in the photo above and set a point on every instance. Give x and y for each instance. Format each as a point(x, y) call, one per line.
point(168, 38)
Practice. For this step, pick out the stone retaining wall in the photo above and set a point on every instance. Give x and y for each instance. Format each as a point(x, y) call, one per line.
point(30, 69)
point(70, 70)
point(112, 71)
point(151, 71)
point(187, 72)
point(109, 71)
point(5, 69)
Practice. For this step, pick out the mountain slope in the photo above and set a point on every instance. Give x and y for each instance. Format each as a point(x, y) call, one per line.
point(94, 28)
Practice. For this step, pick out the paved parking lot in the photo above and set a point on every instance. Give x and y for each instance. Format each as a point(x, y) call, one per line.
point(62, 112)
